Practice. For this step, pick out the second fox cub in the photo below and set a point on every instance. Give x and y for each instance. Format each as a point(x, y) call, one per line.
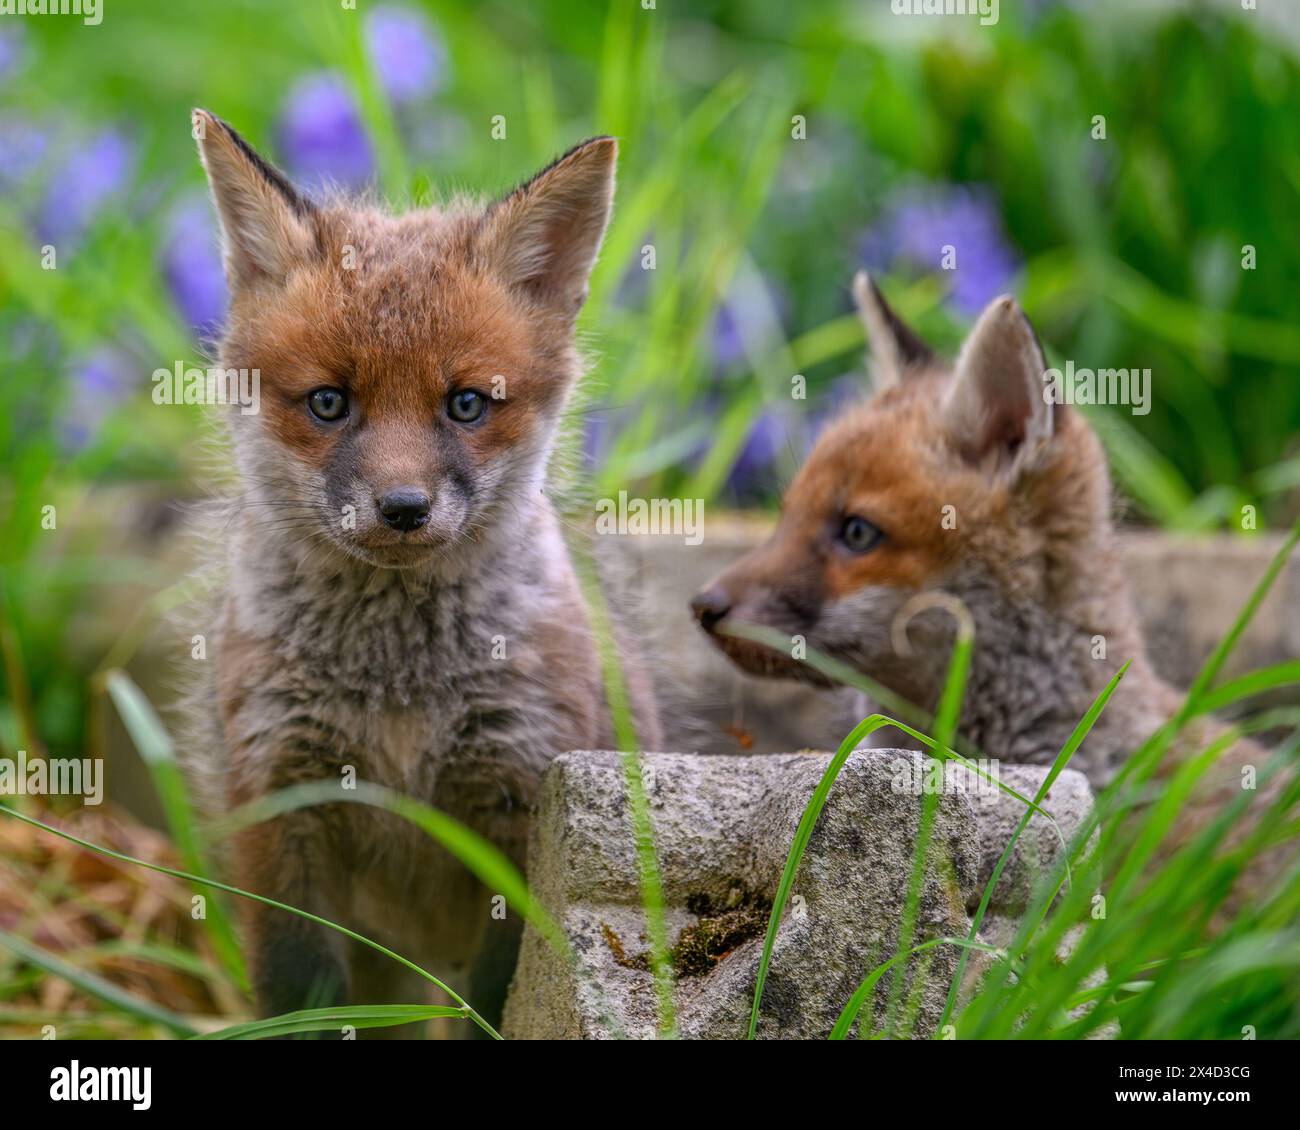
point(399, 604)
point(965, 479)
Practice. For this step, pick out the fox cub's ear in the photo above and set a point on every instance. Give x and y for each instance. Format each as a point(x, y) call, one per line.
point(544, 236)
point(265, 224)
point(893, 347)
point(996, 412)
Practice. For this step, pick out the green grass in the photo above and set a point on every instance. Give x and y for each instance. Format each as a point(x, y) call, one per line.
point(1129, 246)
point(109, 993)
point(1158, 914)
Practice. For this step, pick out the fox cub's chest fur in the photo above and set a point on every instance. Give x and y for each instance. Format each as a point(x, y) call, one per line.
point(456, 694)
point(407, 678)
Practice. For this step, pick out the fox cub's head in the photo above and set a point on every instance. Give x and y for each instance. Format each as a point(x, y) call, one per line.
point(412, 367)
point(963, 478)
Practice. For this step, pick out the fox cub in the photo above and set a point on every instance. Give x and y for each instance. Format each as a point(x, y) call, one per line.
point(966, 479)
point(398, 602)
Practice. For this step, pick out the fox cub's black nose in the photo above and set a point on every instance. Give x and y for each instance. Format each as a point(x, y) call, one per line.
point(405, 508)
point(710, 606)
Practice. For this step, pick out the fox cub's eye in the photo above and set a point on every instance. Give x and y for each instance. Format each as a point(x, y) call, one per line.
point(859, 534)
point(466, 406)
point(328, 403)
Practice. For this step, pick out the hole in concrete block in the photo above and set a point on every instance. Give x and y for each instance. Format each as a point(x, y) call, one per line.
point(717, 930)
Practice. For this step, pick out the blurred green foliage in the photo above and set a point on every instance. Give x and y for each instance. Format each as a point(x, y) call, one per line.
point(1128, 250)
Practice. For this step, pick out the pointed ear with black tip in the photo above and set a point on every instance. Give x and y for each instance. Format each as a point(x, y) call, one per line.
point(893, 347)
point(266, 225)
point(998, 413)
point(544, 236)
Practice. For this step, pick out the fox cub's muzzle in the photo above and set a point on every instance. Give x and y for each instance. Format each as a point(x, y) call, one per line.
point(711, 606)
point(404, 509)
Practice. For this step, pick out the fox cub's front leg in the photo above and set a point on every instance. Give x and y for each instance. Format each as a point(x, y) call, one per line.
point(273, 740)
point(295, 963)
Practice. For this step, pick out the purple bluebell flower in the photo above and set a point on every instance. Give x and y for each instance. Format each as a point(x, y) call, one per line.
point(321, 135)
point(99, 380)
point(775, 432)
point(920, 223)
point(93, 173)
point(13, 49)
point(767, 435)
point(23, 147)
point(748, 322)
point(407, 52)
point(728, 341)
point(191, 263)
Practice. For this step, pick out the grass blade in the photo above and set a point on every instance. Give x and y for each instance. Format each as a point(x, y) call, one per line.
point(651, 881)
point(158, 753)
point(1068, 750)
point(91, 983)
point(850, 1011)
point(324, 1019)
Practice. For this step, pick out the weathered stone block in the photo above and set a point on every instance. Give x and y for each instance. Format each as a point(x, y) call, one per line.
point(1036, 851)
point(723, 828)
